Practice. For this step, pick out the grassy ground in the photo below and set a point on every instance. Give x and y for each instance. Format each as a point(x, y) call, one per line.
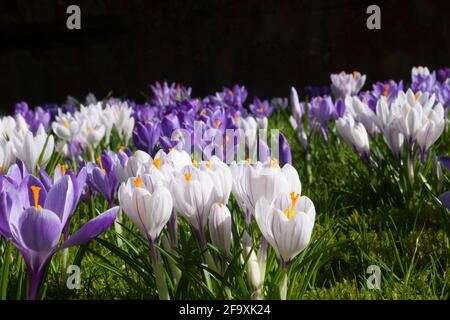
point(362, 219)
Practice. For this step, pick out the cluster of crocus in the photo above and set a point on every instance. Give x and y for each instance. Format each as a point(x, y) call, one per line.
point(156, 189)
point(36, 211)
point(438, 83)
point(410, 120)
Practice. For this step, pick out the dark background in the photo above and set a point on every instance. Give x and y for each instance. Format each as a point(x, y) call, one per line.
point(124, 46)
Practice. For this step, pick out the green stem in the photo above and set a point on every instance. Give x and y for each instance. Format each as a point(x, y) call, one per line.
point(158, 268)
point(5, 271)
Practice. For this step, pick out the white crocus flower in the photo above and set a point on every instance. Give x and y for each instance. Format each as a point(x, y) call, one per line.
point(249, 129)
point(123, 121)
point(394, 138)
point(420, 71)
point(7, 156)
point(193, 195)
point(286, 223)
point(66, 127)
point(220, 227)
point(147, 203)
point(253, 182)
point(220, 174)
point(133, 167)
point(354, 134)
point(363, 114)
point(344, 84)
point(30, 148)
point(432, 127)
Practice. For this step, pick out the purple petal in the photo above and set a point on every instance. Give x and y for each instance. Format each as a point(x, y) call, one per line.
point(45, 178)
point(5, 210)
point(92, 228)
point(40, 229)
point(60, 198)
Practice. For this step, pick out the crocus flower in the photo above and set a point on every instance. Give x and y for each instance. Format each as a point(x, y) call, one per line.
point(103, 178)
point(344, 84)
point(443, 74)
point(146, 135)
point(261, 108)
point(354, 134)
point(148, 204)
point(286, 223)
point(253, 182)
point(284, 150)
point(30, 148)
point(193, 196)
point(220, 227)
point(7, 155)
point(34, 220)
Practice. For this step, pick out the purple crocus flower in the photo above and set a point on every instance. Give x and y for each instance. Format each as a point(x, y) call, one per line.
point(146, 135)
point(102, 178)
point(34, 220)
point(443, 74)
point(284, 151)
point(261, 108)
point(423, 82)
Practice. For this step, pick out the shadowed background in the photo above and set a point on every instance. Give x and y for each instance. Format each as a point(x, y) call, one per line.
point(124, 46)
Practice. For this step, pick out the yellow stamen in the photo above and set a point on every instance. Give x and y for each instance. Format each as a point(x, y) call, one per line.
point(208, 164)
point(220, 204)
point(290, 212)
point(66, 124)
point(355, 74)
point(138, 182)
point(195, 163)
point(122, 149)
point(170, 150)
point(217, 123)
point(99, 160)
point(407, 109)
point(261, 108)
point(249, 160)
point(386, 89)
point(1, 169)
point(204, 113)
point(36, 190)
point(294, 198)
point(236, 117)
point(63, 168)
point(187, 176)
point(157, 162)
point(273, 163)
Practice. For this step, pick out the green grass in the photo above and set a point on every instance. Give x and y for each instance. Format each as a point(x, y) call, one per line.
point(364, 217)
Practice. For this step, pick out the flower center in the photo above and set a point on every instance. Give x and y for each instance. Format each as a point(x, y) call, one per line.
point(66, 124)
point(187, 176)
point(217, 123)
point(138, 182)
point(261, 108)
point(208, 164)
point(355, 74)
point(273, 163)
point(63, 168)
point(36, 190)
point(157, 162)
point(290, 212)
point(99, 160)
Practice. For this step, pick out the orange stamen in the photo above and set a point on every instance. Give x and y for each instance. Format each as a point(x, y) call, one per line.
point(36, 190)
